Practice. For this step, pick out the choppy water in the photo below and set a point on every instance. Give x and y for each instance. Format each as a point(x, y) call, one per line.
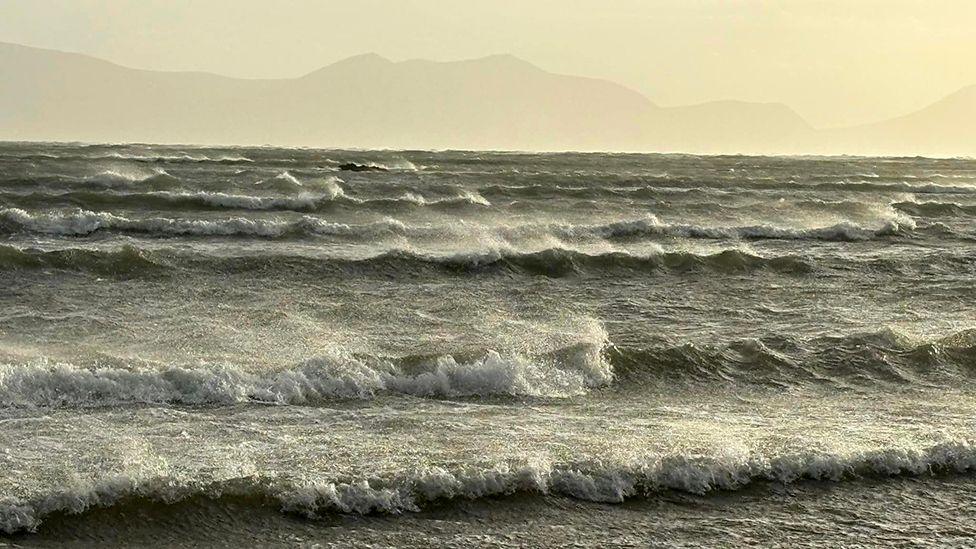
point(233, 345)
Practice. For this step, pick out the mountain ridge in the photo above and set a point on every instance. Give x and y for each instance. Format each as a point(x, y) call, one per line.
point(497, 102)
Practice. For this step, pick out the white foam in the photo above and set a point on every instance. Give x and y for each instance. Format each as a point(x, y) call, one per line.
point(613, 483)
point(401, 164)
point(327, 377)
point(889, 224)
point(171, 157)
point(127, 177)
point(594, 480)
point(83, 222)
point(301, 201)
point(288, 183)
point(466, 197)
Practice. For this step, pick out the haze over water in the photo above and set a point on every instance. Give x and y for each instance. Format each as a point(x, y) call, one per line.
point(288, 346)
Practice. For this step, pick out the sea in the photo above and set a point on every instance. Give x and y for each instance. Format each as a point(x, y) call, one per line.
point(259, 346)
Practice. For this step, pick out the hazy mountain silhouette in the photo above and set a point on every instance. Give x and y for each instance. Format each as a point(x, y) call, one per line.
point(946, 127)
point(496, 102)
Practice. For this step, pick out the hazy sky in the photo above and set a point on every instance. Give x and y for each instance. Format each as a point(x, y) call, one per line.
point(835, 61)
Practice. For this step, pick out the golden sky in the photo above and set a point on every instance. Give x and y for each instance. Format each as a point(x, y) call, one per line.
point(836, 62)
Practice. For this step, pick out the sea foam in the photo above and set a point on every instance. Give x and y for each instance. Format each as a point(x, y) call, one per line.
point(568, 372)
point(588, 480)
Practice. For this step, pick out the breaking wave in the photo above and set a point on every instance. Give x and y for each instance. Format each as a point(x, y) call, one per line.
point(587, 480)
point(466, 197)
point(396, 164)
point(85, 222)
point(565, 372)
point(845, 231)
point(156, 179)
point(315, 195)
point(79, 222)
point(287, 183)
point(177, 158)
point(859, 359)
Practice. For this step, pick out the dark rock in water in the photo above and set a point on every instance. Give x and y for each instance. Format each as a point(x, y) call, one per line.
point(353, 167)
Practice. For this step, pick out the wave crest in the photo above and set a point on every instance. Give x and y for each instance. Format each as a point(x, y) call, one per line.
point(844, 231)
point(858, 359)
point(585, 480)
point(287, 183)
point(936, 209)
point(125, 261)
point(157, 178)
point(562, 373)
point(874, 358)
point(552, 262)
point(82, 222)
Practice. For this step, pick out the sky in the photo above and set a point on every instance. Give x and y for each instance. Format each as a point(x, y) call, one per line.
point(835, 62)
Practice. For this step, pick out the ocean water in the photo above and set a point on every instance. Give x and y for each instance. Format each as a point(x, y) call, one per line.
point(373, 348)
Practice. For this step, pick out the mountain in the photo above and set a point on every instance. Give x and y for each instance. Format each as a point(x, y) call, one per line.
point(367, 101)
point(493, 102)
point(946, 128)
point(729, 127)
point(496, 102)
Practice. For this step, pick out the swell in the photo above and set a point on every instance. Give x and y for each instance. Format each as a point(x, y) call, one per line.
point(936, 209)
point(78, 222)
point(411, 491)
point(560, 262)
point(148, 179)
point(868, 360)
point(551, 262)
point(637, 187)
point(141, 158)
point(125, 261)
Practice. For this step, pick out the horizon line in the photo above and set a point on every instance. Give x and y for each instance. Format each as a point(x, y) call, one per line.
point(462, 150)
